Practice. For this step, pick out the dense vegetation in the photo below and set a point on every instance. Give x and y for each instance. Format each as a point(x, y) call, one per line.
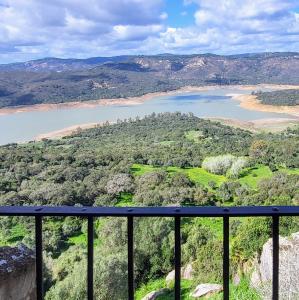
point(157, 160)
point(284, 97)
point(54, 80)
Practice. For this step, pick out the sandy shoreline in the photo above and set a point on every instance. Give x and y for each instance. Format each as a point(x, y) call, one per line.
point(57, 134)
point(268, 125)
point(92, 103)
point(146, 97)
point(251, 102)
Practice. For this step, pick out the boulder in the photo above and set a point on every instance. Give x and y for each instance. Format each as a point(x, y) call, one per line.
point(206, 290)
point(261, 278)
point(154, 294)
point(186, 273)
point(17, 273)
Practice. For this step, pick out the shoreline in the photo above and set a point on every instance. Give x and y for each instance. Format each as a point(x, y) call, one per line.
point(259, 125)
point(67, 131)
point(250, 102)
point(141, 99)
point(246, 101)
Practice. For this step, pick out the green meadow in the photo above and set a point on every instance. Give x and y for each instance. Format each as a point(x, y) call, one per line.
point(250, 176)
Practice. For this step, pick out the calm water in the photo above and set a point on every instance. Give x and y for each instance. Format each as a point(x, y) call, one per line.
point(26, 126)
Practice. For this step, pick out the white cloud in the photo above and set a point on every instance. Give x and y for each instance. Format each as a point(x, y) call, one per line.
point(129, 32)
point(61, 27)
point(71, 28)
point(231, 26)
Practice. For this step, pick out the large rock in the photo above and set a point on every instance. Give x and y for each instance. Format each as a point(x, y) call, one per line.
point(17, 273)
point(261, 278)
point(186, 273)
point(153, 295)
point(206, 290)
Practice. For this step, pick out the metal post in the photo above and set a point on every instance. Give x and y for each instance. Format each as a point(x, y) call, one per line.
point(130, 258)
point(225, 257)
point(90, 238)
point(275, 269)
point(177, 252)
point(39, 258)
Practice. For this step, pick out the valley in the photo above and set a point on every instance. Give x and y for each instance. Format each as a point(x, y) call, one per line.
point(165, 159)
point(149, 150)
point(198, 130)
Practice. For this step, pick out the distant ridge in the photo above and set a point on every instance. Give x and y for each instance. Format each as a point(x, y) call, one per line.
point(60, 64)
point(55, 80)
point(63, 64)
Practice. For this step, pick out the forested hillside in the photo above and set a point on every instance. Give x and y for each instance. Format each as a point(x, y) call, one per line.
point(62, 80)
point(164, 159)
point(279, 98)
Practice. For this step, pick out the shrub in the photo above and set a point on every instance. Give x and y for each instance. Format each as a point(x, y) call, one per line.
point(218, 164)
point(237, 167)
point(120, 183)
point(225, 164)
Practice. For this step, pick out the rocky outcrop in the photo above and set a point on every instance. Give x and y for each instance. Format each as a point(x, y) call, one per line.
point(153, 295)
point(186, 273)
point(261, 278)
point(206, 290)
point(17, 273)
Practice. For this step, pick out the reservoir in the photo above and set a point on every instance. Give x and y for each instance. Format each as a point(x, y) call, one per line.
point(25, 126)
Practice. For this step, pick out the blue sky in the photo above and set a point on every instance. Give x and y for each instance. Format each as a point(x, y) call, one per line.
point(180, 14)
point(31, 29)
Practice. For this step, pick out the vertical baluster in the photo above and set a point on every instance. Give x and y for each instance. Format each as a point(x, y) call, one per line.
point(177, 253)
point(90, 237)
point(39, 258)
point(225, 257)
point(130, 258)
point(275, 266)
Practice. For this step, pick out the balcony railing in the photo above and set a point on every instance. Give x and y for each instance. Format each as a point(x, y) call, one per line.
point(176, 212)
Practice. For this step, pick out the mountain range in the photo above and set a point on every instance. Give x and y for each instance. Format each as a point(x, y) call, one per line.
point(55, 80)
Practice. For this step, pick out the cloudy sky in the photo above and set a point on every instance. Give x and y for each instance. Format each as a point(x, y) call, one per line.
point(31, 29)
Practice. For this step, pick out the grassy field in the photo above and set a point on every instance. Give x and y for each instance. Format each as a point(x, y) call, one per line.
point(250, 176)
point(138, 169)
point(197, 175)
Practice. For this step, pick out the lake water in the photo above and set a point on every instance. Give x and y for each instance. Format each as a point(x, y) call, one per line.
point(26, 126)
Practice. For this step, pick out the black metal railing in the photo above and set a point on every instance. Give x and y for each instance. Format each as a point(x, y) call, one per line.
point(176, 212)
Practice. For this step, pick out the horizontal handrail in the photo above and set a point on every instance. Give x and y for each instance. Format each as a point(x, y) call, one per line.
point(190, 211)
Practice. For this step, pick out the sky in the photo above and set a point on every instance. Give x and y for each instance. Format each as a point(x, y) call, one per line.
point(33, 29)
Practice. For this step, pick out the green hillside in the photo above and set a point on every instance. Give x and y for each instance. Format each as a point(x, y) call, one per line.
point(133, 163)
